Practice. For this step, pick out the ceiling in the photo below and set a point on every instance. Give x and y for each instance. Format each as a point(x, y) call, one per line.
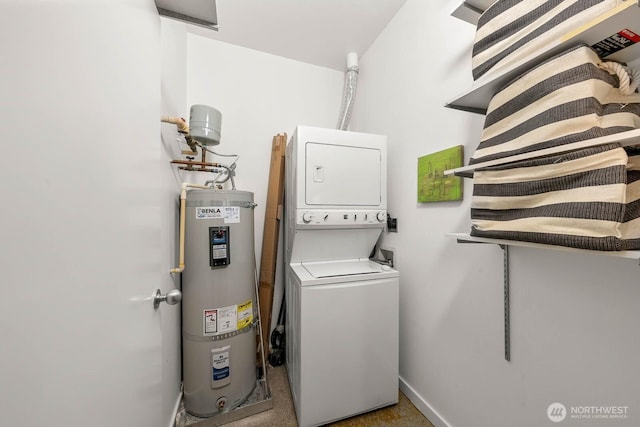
point(320, 32)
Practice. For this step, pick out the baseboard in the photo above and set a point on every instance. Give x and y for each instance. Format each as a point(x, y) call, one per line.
point(174, 414)
point(423, 406)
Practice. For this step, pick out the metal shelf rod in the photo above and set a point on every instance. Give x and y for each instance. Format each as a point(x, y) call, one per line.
point(507, 311)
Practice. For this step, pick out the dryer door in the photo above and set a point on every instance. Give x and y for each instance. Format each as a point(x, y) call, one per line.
point(340, 175)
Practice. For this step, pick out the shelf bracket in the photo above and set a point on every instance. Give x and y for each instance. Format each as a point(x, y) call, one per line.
point(507, 311)
point(468, 13)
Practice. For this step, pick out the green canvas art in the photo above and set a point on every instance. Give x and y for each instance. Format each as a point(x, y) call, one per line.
point(433, 185)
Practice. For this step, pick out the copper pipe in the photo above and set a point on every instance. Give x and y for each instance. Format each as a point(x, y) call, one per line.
point(192, 163)
point(204, 156)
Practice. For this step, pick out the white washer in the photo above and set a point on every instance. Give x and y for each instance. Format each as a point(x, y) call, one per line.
point(342, 308)
point(342, 342)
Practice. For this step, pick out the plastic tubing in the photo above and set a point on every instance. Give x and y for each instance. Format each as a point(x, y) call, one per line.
point(226, 171)
point(183, 127)
point(183, 208)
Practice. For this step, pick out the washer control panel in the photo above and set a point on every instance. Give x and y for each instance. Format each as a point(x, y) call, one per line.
point(339, 217)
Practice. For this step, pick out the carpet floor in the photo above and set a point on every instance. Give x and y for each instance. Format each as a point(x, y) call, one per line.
point(283, 415)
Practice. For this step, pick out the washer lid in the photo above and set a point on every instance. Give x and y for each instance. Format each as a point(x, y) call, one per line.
point(347, 267)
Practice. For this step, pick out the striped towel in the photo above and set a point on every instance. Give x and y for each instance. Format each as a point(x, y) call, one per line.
point(511, 30)
point(588, 199)
point(569, 98)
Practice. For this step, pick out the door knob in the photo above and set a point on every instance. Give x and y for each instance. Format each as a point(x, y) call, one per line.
point(172, 297)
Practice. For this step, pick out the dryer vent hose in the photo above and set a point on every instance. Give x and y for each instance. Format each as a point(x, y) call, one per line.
point(350, 86)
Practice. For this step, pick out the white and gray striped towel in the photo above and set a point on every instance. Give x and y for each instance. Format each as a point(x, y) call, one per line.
point(587, 199)
point(511, 30)
point(569, 98)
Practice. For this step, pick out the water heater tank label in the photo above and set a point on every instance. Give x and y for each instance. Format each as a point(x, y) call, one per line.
point(210, 322)
point(222, 320)
point(220, 365)
point(227, 319)
point(245, 314)
point(209, 212)
point(230, 214)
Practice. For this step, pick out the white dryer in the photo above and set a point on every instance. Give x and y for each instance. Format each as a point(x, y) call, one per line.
point(342, 308)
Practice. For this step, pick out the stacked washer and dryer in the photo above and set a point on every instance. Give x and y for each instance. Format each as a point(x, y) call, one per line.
point(342, 308)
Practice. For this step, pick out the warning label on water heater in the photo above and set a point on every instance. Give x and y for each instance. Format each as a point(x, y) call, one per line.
point(230, 214)
point(227, 319)
point(210, 322)
point(222, 320)
point(245, 314)
point(219, 320)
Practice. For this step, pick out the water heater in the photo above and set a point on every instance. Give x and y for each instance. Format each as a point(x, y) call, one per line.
point(219, 301)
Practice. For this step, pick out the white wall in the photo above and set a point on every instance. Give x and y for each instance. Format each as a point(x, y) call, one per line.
point(80, 223)
point(574, 317)
point(173, 100)
point(259, 96)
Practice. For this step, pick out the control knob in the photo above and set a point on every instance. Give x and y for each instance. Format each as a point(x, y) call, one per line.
point(381, 216)
point(306, 217)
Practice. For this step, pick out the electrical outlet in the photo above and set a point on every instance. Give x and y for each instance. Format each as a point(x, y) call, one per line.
point(392, 224)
